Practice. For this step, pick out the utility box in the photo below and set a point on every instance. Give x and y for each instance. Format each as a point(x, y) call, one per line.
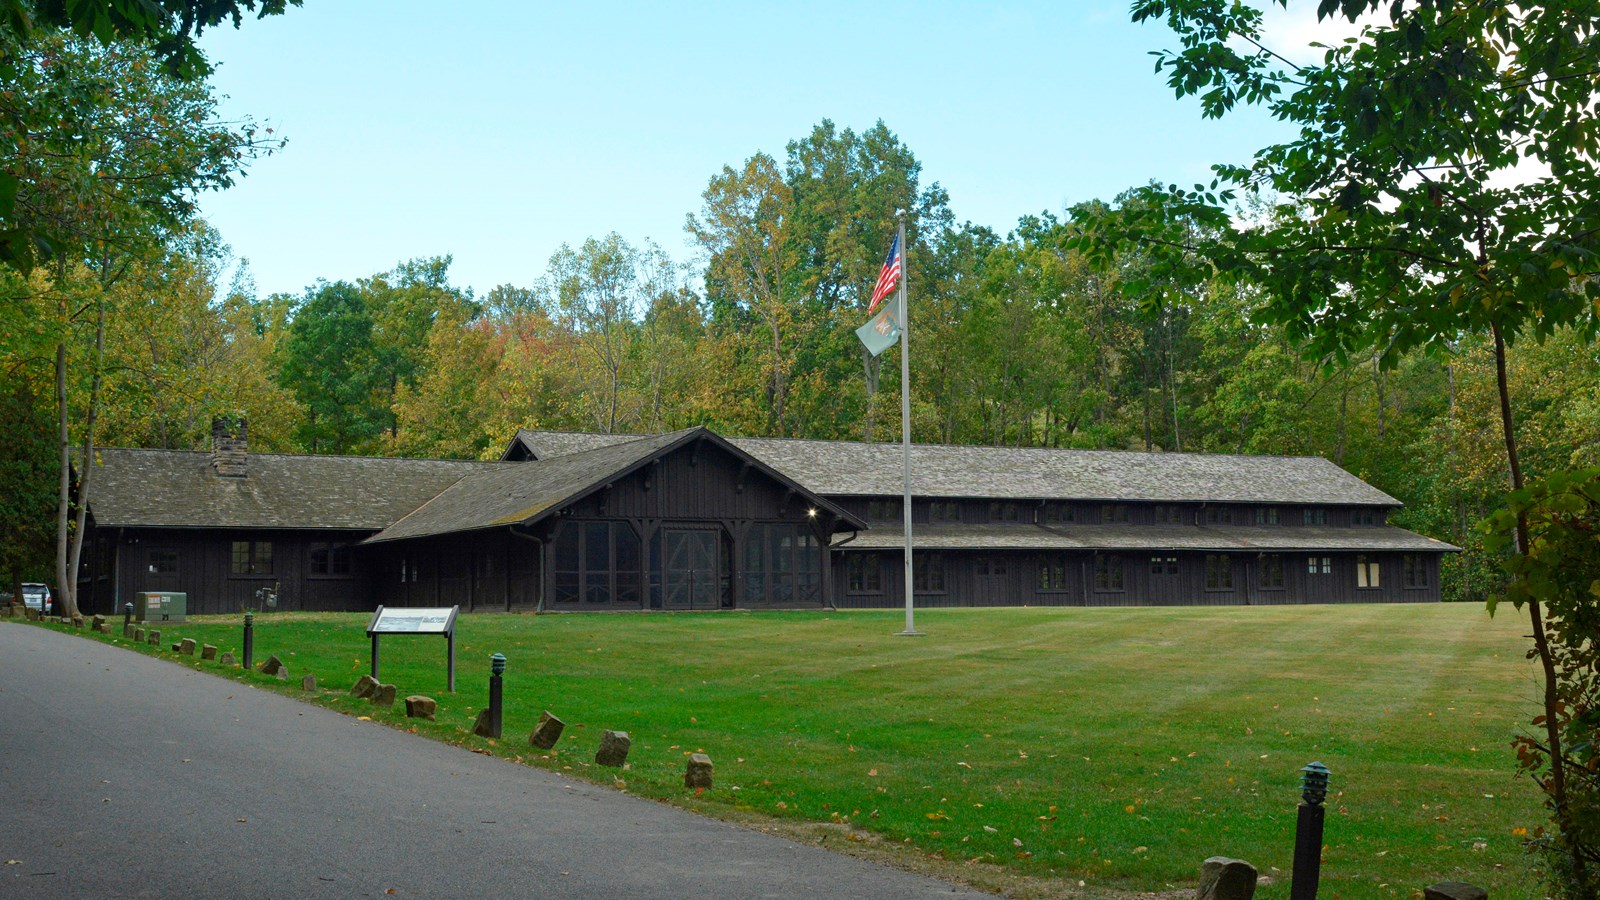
point(162, 606)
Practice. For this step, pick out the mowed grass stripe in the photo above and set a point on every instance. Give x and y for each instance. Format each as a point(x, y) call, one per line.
point(1114, 746)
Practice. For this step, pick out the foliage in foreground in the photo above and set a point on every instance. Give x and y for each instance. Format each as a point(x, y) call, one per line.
point(1116, 747)
point(1561, 572)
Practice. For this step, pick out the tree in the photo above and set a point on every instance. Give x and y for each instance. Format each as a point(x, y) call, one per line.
point(746, 228)
point(599, 291)
point(1443, 183)
point(405, 304)
point(847, 189)
point(49, 117)
point(329, 361)
point(26, 468)
point(116, 173)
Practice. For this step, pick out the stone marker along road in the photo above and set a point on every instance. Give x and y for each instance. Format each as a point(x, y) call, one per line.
point(126, 776)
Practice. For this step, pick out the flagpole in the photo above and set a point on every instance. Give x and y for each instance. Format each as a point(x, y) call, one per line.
point(905, 422)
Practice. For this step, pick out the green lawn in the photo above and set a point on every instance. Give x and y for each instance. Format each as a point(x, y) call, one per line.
point(1117, 747)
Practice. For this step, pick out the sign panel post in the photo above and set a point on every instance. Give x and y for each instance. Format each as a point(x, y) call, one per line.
point(417, 620)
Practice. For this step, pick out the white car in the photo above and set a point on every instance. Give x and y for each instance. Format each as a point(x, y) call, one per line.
point(37, 596)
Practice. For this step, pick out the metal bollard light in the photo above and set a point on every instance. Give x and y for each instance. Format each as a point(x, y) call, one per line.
point(1308, 833)
point(497, 668)
point(127, 615)
point(249, 639)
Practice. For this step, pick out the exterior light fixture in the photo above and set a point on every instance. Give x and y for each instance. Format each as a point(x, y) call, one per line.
point(1314, 784)
point(811, 513)
point(497, 665)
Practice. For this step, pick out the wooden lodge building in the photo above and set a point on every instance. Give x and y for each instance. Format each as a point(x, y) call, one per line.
point(692, 520)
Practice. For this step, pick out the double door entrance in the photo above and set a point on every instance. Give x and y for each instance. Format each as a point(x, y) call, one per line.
point(690, 576)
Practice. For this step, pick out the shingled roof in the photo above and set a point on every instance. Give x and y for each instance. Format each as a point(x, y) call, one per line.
point(1149, 537)
point(508, 494)
point(513, 493)
point(852, 468)
point(177, 489)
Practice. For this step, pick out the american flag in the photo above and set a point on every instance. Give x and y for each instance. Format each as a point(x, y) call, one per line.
point(889, 277)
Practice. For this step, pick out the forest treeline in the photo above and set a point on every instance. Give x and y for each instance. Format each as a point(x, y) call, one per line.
point(1017, 340)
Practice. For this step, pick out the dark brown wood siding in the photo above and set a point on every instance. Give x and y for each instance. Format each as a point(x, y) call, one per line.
point(199, 562)
point(1014, 578)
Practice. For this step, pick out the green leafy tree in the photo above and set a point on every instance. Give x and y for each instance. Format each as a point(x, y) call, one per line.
point(599, 293)
point(1554, 525)
point(27, 466)
point(1442, 183)
point(53, 108)
point(847, 188)
point(405, 304)
point(329, 360)
point(113, 175)
point(747, 229)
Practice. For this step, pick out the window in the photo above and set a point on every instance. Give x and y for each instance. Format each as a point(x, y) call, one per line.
point(1058, 514)
point(1271, 571)
point(782, 564)
point(1319, 565)
point(1053, 572)
point(1219, 515)
point(1314, 516)
point(1366, 572)
point(1266, 515)
point(865, 575)
point(1168, 514)
point(329, 560)
point(252, 558)
point(1364, 517)
point(1163, 565)
point(928, 572)
point(163, 562)
point(1107, 572)
point(993, 566)
point(1219, 572)
point(1113, 512)
point(596, 563)
point(1415, 569)
point(883, 511)
point(408, 569)
point(944, 511)
point(1003, 512)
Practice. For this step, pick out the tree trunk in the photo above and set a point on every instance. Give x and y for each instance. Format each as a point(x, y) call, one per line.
point(64, 446)
point(1172, 385)
point(1344, 409)
point(70, 589)
point(779, 385)
point(873, 370)
point(1541, 642)
point(1380, 384)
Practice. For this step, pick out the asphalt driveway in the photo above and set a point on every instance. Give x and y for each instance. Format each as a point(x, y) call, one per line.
point(125, 776)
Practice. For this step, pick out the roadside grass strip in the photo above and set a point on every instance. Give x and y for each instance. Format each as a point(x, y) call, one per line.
point(1117, 747)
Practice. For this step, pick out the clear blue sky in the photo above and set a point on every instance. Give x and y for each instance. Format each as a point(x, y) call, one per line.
point(497, 131)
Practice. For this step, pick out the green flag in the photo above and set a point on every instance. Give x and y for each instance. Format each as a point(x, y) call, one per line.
point(881, 331)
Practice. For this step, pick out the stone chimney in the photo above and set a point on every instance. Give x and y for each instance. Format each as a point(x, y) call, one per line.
point(229, 445)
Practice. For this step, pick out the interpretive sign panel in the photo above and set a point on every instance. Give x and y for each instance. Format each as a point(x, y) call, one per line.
point(413, 620)
point(417, 620)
